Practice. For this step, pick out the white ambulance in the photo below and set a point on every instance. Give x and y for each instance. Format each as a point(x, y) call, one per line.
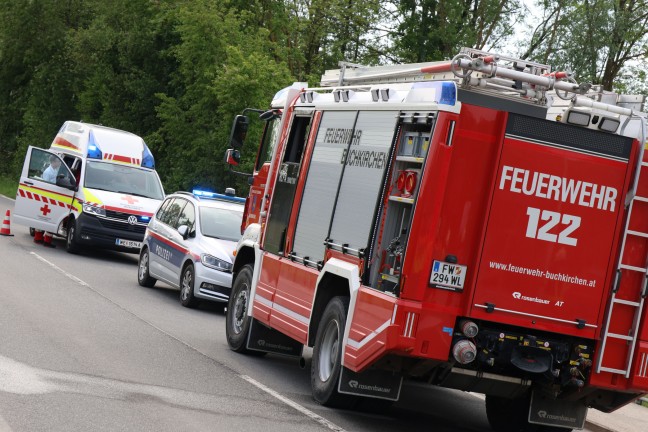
point(95, 186)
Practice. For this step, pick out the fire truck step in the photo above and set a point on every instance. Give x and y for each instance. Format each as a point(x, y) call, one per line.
point(638, 233)
point(618, 336)
point(612, 370)
point(627, 302)
point(629, 267)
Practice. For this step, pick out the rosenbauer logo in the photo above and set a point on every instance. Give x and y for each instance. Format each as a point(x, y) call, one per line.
point(357, 385)
point(519, 296)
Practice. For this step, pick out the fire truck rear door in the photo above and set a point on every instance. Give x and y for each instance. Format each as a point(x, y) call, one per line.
point(555, 210)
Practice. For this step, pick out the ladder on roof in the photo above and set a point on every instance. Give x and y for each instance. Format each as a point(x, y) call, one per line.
point(630, 285)
point(471, 68)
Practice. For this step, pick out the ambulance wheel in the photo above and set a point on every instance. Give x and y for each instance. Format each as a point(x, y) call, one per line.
point(143, 276)
point(187, 298)
point(71, 243)
point(32, 231)
point(327, 356)
point(237, 321)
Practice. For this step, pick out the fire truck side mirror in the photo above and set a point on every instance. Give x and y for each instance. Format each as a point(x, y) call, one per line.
point(239, 131)
point(232, 157)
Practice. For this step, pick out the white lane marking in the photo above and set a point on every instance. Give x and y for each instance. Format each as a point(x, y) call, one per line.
point(295, 405)
point(10, 199)
point(252, 381)
point(4, 426)
point(60, 270)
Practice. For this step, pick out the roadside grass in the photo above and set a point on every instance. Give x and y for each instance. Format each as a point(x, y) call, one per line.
point(8, 187)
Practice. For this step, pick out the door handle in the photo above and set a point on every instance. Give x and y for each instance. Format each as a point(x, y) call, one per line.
point(28, 183)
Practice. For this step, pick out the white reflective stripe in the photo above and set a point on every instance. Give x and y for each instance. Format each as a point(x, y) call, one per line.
point(369, 337)
point(394, 314)
point(302, 319)
point(411, 317)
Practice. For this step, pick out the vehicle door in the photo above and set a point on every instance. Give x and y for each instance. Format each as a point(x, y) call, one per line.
point(46, 191)
point(166, 251)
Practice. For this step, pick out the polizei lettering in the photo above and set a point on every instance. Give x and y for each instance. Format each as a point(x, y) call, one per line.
point(542, 185)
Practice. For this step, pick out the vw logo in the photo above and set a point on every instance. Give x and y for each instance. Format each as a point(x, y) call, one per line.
point(132, 220)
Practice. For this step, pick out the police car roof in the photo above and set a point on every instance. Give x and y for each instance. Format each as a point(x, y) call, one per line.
point(206, 195)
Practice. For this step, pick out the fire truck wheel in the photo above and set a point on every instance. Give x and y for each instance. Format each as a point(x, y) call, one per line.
point(327, 356)
point(187, 298)
point(511, 415)
point(71, 243)
point(143, 276)
point(237, 322)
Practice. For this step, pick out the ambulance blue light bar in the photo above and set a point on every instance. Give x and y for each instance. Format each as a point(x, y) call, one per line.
point(214, 195)
point(147, 158)
point(446, 91)
point(93, 151)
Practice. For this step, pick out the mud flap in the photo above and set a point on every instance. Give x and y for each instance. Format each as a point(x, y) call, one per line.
point(556, 412)
point(266, 339)
point(371, 383)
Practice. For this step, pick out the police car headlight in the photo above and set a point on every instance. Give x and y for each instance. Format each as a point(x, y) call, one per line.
point(94, 210)
point(215, 263)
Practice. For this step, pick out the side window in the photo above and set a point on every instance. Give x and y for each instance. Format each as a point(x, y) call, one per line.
point(268, 143)
point(160, 213)
point(172, 211)
point(48, 167)
point(188, 217)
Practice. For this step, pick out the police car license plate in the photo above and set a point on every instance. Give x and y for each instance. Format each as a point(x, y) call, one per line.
point(128, 243)
point(448, 275)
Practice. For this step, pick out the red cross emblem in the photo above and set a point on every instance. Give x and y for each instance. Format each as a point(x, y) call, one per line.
point(129, 200)
point(45, 210)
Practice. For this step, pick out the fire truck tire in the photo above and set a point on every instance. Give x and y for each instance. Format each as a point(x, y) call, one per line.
point(71, 243)
point(143, 276)
point(511, 415)
point(237, 321)
point(508, 415)
point(187, 280)
point(327, 356)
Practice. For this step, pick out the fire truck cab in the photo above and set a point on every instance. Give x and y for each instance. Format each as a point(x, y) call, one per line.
point(478, 224)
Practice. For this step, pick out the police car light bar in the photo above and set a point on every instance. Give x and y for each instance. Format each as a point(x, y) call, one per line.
point(214, 195)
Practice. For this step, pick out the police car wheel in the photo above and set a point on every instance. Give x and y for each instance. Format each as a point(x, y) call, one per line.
point(187, 298)
point(327, 356)
point(143, 276)
point(237, 322)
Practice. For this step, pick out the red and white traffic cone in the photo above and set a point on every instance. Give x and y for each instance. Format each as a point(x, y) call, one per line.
point(47, 240)
point(6, 225)
point(38, 236)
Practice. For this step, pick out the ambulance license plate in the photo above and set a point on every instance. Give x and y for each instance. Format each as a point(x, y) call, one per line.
point(448, 275)
point(128, 243)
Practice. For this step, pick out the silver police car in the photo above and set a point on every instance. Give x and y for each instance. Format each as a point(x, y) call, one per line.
point(189, 244)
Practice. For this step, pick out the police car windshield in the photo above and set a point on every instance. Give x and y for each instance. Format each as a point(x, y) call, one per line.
point(123, 179)
point(221, 223)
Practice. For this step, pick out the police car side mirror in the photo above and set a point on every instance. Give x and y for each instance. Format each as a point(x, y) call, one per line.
point(183, 230)
point(239, 131)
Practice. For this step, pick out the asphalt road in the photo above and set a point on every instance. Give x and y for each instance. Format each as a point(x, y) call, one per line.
point(84, 347)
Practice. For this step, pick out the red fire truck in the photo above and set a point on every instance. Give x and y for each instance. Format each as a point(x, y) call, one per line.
point(479, 224)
